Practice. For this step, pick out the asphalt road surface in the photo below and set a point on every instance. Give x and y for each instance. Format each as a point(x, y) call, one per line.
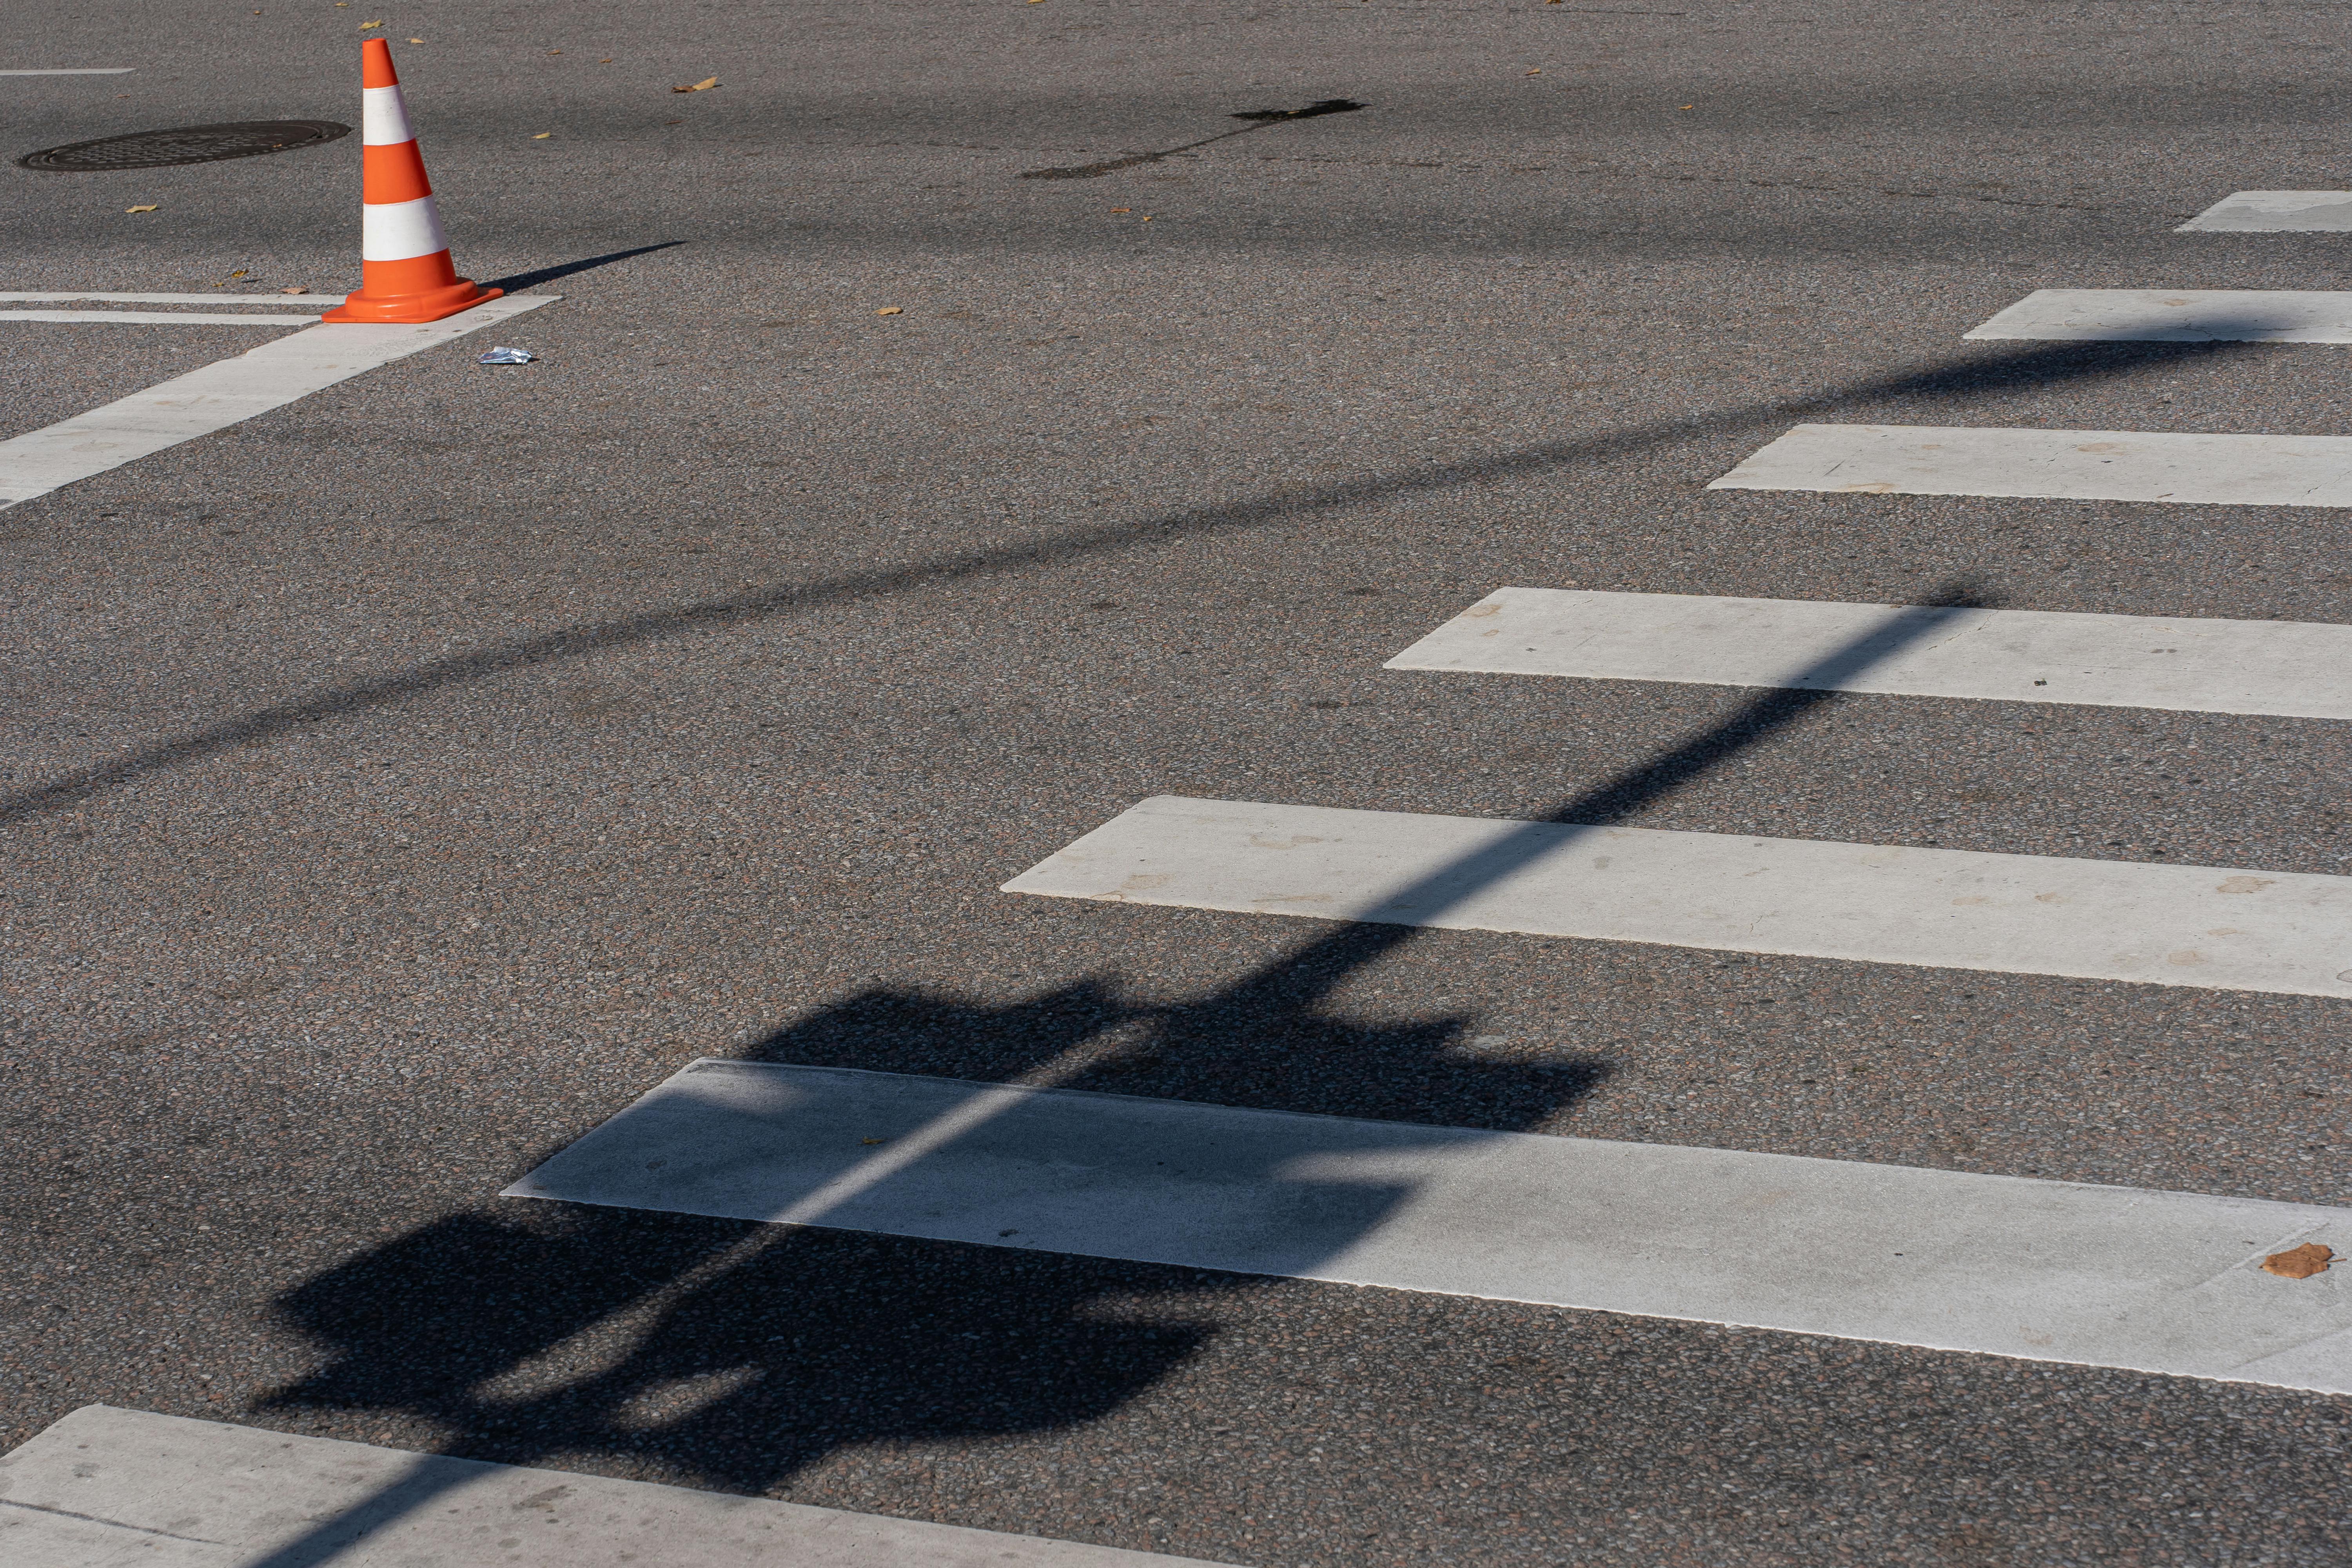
point(396, 785)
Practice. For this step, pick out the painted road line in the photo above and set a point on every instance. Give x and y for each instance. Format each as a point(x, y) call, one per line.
point(2156, 1281)
point(105, 1487)
point(223, 393)
point(2176, 316)
point(276, 302)
point(75, 70)
point(2298, 669)
point(1875, 903)
point(149, 318)
point(2274, 212)
point(2081, 464)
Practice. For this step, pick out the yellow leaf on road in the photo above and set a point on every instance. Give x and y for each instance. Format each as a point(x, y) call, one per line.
point(705, 85)
point(543, 135)
point(147, 209)
point(889, 310)
point(2299, 1262)
point(377, 23)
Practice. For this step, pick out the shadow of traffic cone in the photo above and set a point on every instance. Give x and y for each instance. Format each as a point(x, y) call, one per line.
point(405, 273)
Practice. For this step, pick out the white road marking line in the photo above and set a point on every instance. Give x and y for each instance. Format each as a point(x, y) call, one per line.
point(275, 301)
point(2274, 212)
point(75, 70)
point(105, 1487)
point(1875, 903)
point(151, 318)
point(2156, 1281)
point(2176, 316)
point(2081, 464)
point(2298, 668)
point(222, 394)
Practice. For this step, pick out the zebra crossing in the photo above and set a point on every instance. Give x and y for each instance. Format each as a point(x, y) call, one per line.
point(2168, 1282)
point(2175, 1283)
point(2162, 1281)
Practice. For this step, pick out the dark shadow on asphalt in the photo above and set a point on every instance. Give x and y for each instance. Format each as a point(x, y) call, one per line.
point(2030, 367)
point(540, 275)
point(734, 1354)
point(1260, 119)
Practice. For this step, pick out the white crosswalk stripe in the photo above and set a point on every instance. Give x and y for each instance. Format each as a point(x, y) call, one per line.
point(2108, 919)
point(2297, 668)
point(2274, 212)
point(2176, 316)
point(2041, 1270)
point(2080, 465)
point(105, 1487)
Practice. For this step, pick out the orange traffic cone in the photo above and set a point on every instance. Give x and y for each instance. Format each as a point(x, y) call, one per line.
point(405, 273)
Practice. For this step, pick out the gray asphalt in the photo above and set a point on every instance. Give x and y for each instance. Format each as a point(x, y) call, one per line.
point(394, 786)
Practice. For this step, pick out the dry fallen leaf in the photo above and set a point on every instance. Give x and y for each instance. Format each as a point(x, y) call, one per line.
point(147, 209)
point(239, 273)
point(1148, 216)
point(543, 135)
point(705, 85)
point(2299, 1262)
point(1538, 72)
point(1687, 106)
point(1122, 209)
point(415, 40)
point(873, 1140)
point(377, 23)
point(889, 310)
point(293, 289)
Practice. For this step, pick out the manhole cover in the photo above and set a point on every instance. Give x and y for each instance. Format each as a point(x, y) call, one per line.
point(190, 145)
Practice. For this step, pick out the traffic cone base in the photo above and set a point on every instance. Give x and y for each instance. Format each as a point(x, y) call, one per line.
point(429, 306)
point(405, 273)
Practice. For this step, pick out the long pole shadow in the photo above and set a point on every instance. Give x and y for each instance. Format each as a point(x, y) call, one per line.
point(704, 1284)
point(1262, 118)
point(1317, 969)
point(2034, 366)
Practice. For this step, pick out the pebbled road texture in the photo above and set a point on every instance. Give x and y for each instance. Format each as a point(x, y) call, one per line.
point(393, 787)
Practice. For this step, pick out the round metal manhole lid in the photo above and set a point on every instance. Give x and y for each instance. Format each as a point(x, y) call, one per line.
point(190, 145)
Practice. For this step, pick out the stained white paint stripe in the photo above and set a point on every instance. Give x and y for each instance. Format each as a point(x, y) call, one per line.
point(1948, 909)
point(2275, 212)
point(2300, 669)
point(151, 318)
point(396, 231)
point(223, 393)
point(105, 1488)
point(2082, 465)
point(2176, 316)
point(2041, 1270)
point(75, 70)
point(384, 117)
point(275, 301)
